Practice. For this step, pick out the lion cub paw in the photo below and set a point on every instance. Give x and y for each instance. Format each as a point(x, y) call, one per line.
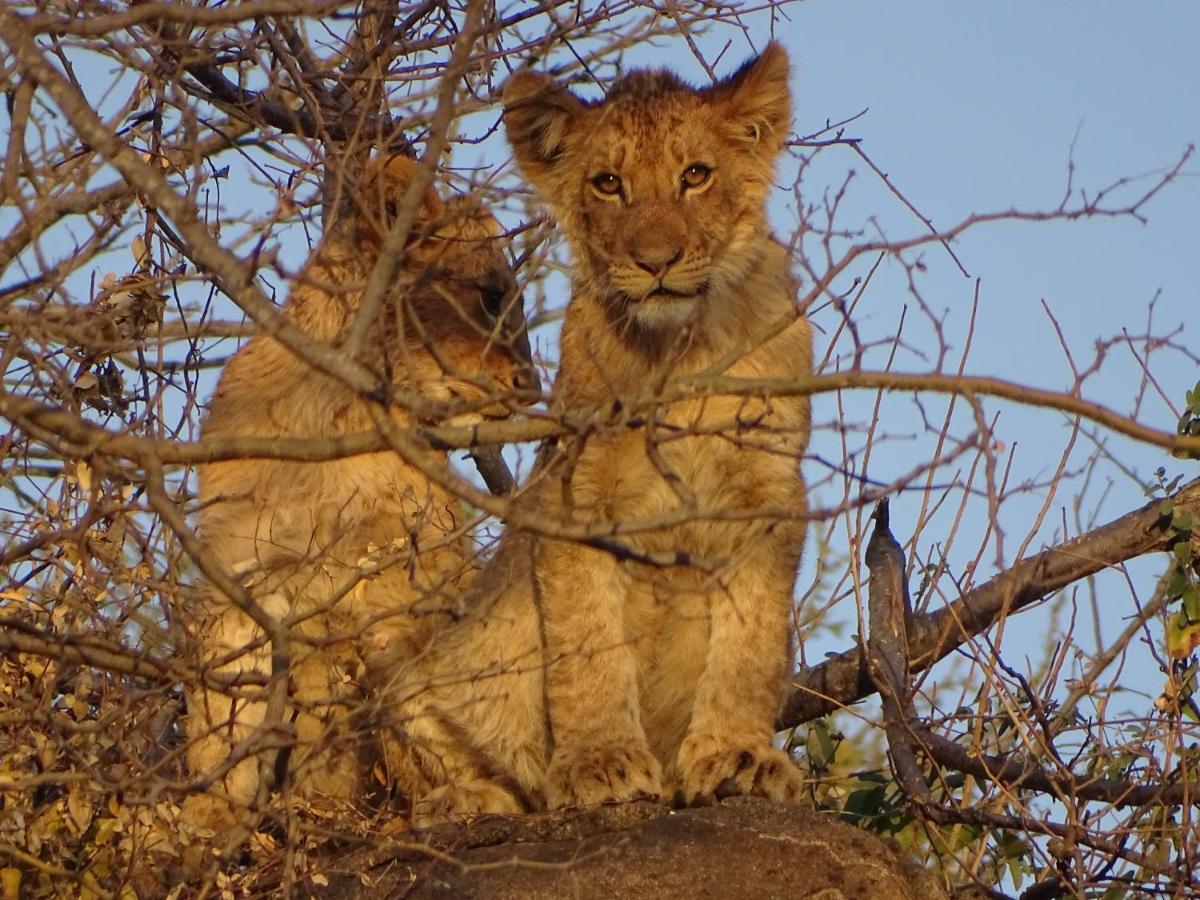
point(706, 773)
point(610, 773)
point(465, 800)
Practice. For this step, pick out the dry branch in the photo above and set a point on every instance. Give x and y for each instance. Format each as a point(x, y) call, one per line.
point(845, 679)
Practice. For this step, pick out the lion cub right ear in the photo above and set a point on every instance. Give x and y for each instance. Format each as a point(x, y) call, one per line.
point(382, 191)
point(538, 115)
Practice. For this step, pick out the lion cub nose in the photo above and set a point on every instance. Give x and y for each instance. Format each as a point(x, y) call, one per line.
point(657, 260)
point(525, 378)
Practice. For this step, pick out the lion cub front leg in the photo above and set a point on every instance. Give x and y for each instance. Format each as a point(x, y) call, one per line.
point(600, 752)
point(728, 748)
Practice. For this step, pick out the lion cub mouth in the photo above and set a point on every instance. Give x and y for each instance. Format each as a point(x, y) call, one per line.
point(665, 294)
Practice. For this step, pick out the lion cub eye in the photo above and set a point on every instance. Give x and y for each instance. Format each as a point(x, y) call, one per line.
point(607, 183)
point(695, 175)
point(491, 298)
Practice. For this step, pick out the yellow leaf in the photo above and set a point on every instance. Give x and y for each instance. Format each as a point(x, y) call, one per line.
point(106, 829)
point(321, 880)
point(10, 881)
point(1183, 637)
point(79, 808)
point(141, 253)
point(262, 843)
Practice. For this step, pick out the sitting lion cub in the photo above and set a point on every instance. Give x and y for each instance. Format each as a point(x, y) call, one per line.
point(660, 643)
point(359, 556)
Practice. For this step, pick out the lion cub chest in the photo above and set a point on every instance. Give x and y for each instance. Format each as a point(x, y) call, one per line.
point(683, 475)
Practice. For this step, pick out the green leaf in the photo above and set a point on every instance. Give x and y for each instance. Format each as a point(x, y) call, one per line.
point(865, 803)
point(1011, 845)
point(1191, 603)
point(820, 745)
point(1177, 583)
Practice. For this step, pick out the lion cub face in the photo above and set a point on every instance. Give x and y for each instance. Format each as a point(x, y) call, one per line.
point(457, 308)
point(660, 186)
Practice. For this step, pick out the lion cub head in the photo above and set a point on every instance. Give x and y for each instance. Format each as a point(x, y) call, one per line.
point(660, 186)
point(457, 307)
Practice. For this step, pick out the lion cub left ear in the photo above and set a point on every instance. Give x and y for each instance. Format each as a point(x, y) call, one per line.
point(538, 115)
point(757, 101)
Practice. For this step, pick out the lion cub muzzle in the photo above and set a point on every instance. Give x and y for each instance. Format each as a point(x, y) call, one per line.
point(659, 276)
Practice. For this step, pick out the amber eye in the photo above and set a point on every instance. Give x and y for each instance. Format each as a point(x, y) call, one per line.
point(607, 183)
point(696, 175)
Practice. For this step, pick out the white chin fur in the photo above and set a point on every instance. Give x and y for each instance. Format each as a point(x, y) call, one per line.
point(663, 312)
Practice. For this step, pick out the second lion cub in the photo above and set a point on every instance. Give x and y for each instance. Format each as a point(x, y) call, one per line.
point(360, 557)
point(648, 654)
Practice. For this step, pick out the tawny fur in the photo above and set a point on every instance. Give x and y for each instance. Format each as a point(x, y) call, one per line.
point(582, 677)
point(307, 537)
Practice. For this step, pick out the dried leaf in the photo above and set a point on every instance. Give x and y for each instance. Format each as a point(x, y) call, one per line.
point(80, 808)
point(1183, 636)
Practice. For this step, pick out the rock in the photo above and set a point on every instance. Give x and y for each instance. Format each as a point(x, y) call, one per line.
point(741, 849)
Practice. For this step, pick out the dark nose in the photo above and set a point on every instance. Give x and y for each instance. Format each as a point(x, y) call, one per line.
point(525, 378)
point(656, 260)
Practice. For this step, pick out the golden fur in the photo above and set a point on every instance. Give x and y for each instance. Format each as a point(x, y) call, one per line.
point(307, 538)
point(584, 675)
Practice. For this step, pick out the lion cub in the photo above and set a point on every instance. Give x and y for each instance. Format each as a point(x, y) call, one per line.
point(591, 668)
point(362, 556)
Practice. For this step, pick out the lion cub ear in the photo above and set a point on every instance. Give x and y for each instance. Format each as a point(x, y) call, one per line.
point(757, 101)
point(381, 192)
point(390, 177)
point(538, 115)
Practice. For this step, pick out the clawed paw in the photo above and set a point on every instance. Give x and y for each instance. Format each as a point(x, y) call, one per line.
point(590, 775)
point(705, 774)
point(462, 801)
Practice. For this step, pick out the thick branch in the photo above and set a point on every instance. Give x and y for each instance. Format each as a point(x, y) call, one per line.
point(518, 430)
point(87, 439)
point(844, 679)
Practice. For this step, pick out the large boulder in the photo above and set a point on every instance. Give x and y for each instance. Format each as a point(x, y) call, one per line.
point(743, 848)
